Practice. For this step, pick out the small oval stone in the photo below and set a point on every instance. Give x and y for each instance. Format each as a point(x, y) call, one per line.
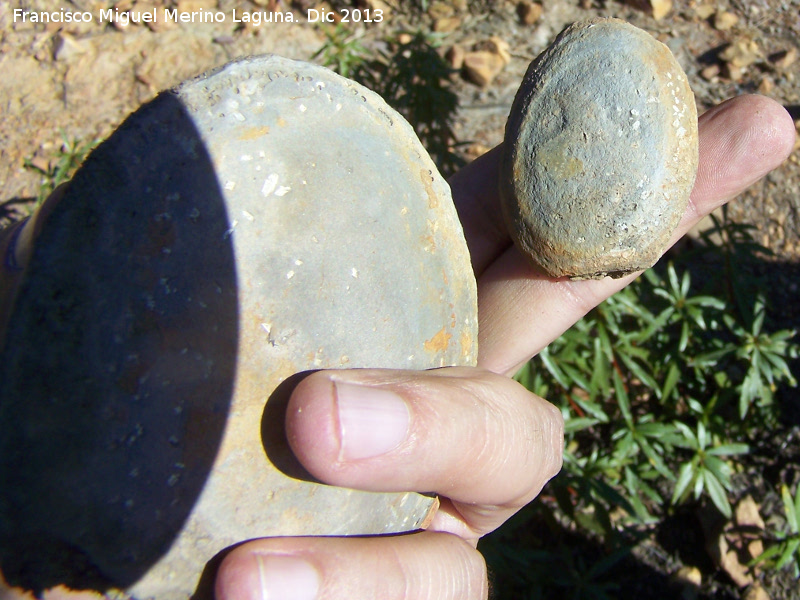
point(600, 152)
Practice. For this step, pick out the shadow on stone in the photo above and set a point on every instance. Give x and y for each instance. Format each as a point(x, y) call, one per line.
point(117, 370)
point(273, 433)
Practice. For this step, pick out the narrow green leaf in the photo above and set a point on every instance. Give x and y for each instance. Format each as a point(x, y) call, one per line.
point(622, 399)
point(639, 371)
point(702, 436)
point(718, 495)
point(699, 482)
point(579, 424)
point(685, 477)
point(729, 450)
point(791, 508)
point(684, 341)
point(553, 369)
point(670, 381)
point(673, 278)
point(719, 469)
point(685, 283)
point(791, 548)
point(760, 312)
point(655, 460)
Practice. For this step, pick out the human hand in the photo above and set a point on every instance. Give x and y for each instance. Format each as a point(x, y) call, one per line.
point(477, 438)
point(472, 435)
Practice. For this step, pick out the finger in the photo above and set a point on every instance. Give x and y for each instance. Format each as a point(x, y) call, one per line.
point(521, 311)
point(473, 436)
point(475, 193)
point(423, 566)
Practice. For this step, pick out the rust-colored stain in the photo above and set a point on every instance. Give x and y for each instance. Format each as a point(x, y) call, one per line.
point(439, 342)
point(254, 133)
point(466, 343)
point(427, 180)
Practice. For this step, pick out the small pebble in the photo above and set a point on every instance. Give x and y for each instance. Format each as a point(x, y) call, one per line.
point(600, 152)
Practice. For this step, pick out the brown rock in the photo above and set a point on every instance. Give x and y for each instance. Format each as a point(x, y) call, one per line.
point(704, 11)
point(67, 47)
point(766, 85)
point(498, 46)
point(529, 12)
point(742, 53)
point(724, 20)
point(195, 5)
point(756, 592)
point(711, 72)
point(689, 580)
point(660, 8)
point(785, 59)
point(481, 67)
point(732, 72)
point(446, 24)
point(455, 57)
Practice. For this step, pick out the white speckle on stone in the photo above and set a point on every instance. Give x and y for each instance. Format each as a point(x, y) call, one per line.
point(338, 107)
point(230, 185)
point(232, 104)
point(262, 154)
point(290, 274)
point(282, 190)
point(248, 216)
point(634, 112)
point(636, 125)
point(302, 108)
point(320, 85)
point(314, 239)
point(245, 157)
point(267, 327)
point(269, 184)
point(298, 262)
point(354, 272)
point(238, 116)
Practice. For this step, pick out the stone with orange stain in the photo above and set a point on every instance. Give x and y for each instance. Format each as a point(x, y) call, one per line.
point(600, 152)
point(226, 239)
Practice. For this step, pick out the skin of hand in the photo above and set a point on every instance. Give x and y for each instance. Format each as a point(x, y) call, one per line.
point(474, 436)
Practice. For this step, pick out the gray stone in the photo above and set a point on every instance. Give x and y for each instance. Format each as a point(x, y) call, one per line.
point(600, 152)
point(264, 220)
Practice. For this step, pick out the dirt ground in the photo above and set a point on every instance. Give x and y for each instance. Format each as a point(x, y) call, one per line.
point(80, 80)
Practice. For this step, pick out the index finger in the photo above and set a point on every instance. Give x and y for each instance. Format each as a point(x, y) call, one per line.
point(520, 310)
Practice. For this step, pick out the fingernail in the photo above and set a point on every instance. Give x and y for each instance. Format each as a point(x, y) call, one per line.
point(286, 578)
point(372, 421)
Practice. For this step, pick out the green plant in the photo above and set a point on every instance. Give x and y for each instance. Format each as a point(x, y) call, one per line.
point(70, 155)
point(343, 52)
point(706, 471)
point(661, 388)
point(785, 548)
